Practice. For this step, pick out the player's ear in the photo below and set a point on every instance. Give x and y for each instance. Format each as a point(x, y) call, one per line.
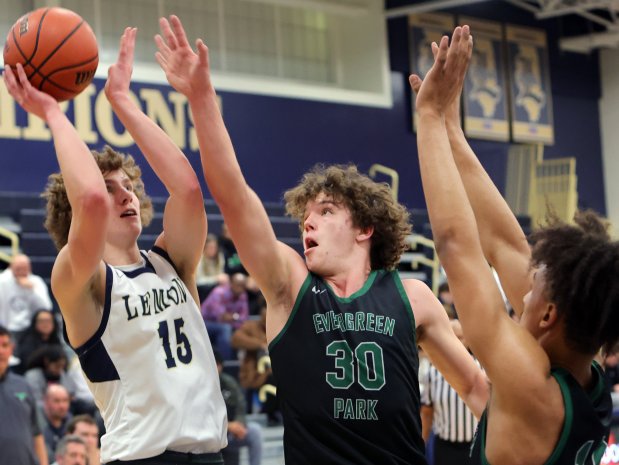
point(550, 316)
point(365, 233)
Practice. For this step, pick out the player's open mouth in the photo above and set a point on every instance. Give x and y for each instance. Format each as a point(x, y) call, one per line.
point(130, 212)
point(310, 243)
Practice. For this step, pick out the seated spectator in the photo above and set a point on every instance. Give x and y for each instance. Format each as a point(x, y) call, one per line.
point(240, 432)
point(210, 271)
point(224, 310)
point(48, 366)
point(255, 371)
point(71, 450)
point(21, 295)
point(56, 416)
point(232, 261)
point(444, 295)
point(82, 400)
point(86, 428)
point(21, 441)
point(42, 332)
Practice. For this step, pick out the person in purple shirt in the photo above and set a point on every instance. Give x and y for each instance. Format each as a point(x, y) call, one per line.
point(224, 310)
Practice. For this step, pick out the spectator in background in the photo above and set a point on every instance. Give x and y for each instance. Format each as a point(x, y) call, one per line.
point(48, 366)
point(21, 295)
point(255, 371)
point(444, 295)
point(21, 441)
point(71, 451)
point(240, 432)
point(86, 428)
point(232, 261)
point(224, 310)
point(42, 332)
point(210, 271)
point(56, 416)
point(445, 413)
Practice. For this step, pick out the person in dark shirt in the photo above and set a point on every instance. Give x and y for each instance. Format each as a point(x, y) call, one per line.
point(21, 441)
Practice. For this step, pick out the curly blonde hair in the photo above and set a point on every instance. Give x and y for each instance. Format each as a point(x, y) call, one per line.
point(58, 218)
point(371, 204)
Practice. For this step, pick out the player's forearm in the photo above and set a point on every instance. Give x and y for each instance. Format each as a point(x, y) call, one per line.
point(497, 224)
point(81, 175)
point(221, 169)
point(162, 153)
point(450, 214)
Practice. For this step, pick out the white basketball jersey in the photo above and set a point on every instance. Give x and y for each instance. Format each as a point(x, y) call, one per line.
point(150, 366)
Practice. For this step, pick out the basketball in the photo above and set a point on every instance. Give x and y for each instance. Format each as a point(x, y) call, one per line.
point(57, 49)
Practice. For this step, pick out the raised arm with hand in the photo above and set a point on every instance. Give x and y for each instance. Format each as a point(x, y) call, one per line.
point(502, 239)
point(80, 261)
point(184, 211)
point(270, 263)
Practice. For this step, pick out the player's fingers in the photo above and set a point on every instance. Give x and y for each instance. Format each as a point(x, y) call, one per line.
point(415, 81)
point(167, 33)
point(179, 31)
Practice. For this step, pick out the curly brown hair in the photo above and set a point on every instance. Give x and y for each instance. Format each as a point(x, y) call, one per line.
point(58, 218)
point(582, 278)
point(371, 204)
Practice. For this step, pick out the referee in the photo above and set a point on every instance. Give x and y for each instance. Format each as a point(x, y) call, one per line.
point(445, 413)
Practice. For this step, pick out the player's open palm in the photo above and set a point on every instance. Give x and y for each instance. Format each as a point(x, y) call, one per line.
point(119, 74)
point(442, 84)
point(186, 70)
point(29, 98)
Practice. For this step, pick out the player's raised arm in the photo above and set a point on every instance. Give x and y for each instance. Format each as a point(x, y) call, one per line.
point(493, 337)
point(184, 221)
point(502, 239)
point(80, 260)
point(267, 260)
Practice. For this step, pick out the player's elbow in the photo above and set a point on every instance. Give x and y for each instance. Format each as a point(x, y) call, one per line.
point(93, 201)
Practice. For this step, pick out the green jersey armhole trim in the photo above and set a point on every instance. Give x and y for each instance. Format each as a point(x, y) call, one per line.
point(600, 386)
point(366, 286)
point(569, 416)
point(398, 283)
point(304, 287)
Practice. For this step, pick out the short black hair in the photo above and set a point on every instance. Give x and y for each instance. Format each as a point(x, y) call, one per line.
point(582, 278)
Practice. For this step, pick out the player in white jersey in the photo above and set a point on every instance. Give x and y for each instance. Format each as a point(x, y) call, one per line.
point(132, 316)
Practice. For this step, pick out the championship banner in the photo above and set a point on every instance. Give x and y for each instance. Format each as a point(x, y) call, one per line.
point(485, 86)
point(531, 96)
point(423, 29)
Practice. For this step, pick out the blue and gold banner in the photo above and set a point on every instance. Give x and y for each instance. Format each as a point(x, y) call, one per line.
point(531, 95)
point(485, 87)
point(423, 29)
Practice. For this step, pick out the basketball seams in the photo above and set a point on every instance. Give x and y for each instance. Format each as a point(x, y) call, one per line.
point(58, 47)
point(48, 76)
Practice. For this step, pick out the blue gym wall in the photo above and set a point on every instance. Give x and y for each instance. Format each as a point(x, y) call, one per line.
point(277, 139)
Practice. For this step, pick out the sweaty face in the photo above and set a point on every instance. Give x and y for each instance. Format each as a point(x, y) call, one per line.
point(328, 233)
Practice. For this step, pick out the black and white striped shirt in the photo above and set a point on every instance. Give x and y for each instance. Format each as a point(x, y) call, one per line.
point(453, 421)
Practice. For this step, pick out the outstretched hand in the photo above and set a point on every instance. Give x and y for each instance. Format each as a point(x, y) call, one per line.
point(119, 74)
point(30, 99)
point(187, 71)
point(440, 91)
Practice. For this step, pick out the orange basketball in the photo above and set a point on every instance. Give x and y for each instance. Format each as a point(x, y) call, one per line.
point(57, 49)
